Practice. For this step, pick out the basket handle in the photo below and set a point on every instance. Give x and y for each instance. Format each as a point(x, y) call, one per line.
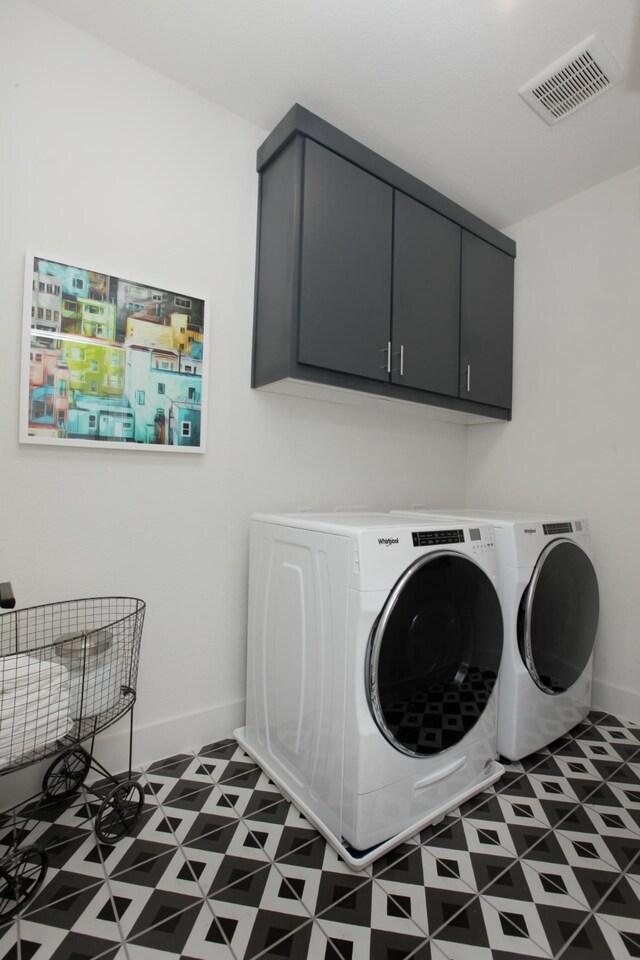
point(7, 599)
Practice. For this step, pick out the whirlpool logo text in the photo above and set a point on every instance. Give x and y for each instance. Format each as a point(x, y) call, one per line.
point(387, 541)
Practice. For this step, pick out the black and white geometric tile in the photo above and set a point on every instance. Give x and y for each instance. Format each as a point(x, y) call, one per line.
point(219, 866)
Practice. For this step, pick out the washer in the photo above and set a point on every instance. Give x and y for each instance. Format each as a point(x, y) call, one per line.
point(373, 650)
point(550, 603)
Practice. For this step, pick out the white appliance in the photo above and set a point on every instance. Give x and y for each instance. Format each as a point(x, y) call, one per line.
point(550, 602)
point(373, 649)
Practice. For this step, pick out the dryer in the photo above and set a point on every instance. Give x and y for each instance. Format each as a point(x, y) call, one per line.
point(373, 649)
point(550, 601)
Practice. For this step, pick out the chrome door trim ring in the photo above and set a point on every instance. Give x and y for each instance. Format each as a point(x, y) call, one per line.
point(375, 641)
point(528, 613)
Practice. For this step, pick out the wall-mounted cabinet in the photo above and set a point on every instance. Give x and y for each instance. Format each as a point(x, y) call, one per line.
point(369, 280)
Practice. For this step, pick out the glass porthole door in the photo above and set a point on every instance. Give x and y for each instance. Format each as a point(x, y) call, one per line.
point(558, 616)
point(434, 654)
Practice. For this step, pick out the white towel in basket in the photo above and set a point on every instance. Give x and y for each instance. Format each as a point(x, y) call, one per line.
point(28, 702)
point(36, 697)
point(22, 671)
point(40, 738)
point(34, 706)
point(51, 711)
point(35, 738)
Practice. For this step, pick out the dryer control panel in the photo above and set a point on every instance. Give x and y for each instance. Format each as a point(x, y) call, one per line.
point(482, 539)
point(478, 539)
point(431, 538)
point(382, 554)
point(554, 529)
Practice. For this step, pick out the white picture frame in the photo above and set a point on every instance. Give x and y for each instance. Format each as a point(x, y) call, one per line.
point(109, 362)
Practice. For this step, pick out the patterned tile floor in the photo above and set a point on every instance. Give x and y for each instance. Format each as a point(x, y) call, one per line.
point(219, 866)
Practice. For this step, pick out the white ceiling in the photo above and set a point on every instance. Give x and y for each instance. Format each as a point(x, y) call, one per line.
point(429, 84)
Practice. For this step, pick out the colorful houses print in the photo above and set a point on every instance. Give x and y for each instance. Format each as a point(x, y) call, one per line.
point(113, 361)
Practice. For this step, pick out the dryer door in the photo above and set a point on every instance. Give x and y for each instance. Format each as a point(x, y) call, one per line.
point(558, 616)
point(434, 654)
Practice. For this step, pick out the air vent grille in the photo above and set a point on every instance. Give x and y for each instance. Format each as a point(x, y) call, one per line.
point(572, 81)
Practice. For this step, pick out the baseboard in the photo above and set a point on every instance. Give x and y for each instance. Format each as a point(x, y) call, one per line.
point(622, 703)
point(151, 741)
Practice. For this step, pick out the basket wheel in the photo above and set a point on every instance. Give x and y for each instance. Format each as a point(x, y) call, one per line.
point(66, 774)
point(21, 876)
point(119, 811)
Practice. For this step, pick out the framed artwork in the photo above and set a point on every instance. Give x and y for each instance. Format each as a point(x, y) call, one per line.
point(110, 362)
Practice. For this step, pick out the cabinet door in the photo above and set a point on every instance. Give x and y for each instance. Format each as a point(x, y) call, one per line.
point(345, 278)
point(426, 298)
point(486, 323)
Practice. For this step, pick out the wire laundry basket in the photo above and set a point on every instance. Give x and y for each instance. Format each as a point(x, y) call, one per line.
point(67, 672)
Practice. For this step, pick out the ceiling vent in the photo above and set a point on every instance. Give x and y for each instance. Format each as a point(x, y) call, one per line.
point(572, 81)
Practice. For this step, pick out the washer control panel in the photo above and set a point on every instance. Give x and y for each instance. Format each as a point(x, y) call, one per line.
point(384, 552)
point(433, 538)
point(482, 539)
point(554, 529)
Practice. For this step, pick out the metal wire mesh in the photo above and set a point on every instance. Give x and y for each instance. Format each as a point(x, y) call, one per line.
point(67, 671)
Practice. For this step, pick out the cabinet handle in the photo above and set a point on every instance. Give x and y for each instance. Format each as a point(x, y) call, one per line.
point(385, 359)
point(402, 359)
point(468, 378)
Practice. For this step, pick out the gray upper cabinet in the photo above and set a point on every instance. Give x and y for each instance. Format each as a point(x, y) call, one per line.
point(426, 298)
point(345, 269)
point(368, 279)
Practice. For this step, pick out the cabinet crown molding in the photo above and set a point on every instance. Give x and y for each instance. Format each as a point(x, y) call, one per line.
point(299, 121)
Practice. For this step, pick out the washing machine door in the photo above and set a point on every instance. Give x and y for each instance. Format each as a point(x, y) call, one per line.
point(558, 616)
point(434, 653)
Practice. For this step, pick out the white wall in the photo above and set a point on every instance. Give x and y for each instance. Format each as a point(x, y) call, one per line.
point(107, 162)
point(573, 442)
